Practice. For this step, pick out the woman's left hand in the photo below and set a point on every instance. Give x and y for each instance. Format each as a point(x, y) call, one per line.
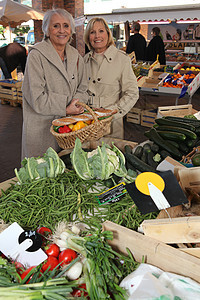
point(73, 108)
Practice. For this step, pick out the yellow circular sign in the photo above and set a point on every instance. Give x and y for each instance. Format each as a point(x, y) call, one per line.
point(142, 180)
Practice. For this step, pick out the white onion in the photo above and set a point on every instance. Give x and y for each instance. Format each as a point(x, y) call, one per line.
point(75, 271)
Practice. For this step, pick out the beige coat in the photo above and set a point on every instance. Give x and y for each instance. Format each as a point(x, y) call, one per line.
point(114, 86)
point(47, 89)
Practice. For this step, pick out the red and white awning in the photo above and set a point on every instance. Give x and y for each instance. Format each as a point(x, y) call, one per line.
point(162, 14)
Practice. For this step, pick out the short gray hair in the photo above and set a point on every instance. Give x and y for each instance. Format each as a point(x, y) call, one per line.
point(47, 18)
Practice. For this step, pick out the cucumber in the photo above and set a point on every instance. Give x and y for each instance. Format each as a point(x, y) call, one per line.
point(172, 135)
point(138, 151)
point(155, 148)
point(195, 123)
point(128, 149)
point(138, 163)
point(153, 135)
point(166, 122)
point(188, 133)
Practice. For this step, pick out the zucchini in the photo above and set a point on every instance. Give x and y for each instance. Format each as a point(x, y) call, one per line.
point(153, 135)
point(138, 163)
point(195, 123)
point(188, 133)
point(191, 143)
point(146, 147)
point(166, 122)
point(175, 144)
point(164, 154)
point(172, 135)
point(128, 149)
point(138, 151)
point(150, 160)
point(154, 148)
point(197, 131)
point(129, 166)
point(144, 156)
point(183, 147)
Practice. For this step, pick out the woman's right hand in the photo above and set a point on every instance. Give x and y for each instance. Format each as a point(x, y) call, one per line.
point(73, 108)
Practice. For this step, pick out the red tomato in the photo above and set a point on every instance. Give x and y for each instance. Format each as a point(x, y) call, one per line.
point(52, 250)
point(66, 256)
point(23, 275)
point(44, 231)
point(51, 262)
point(80, 291)
point(19, 267)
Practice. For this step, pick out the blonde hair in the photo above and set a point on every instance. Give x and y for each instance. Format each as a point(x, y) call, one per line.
point(89, 27)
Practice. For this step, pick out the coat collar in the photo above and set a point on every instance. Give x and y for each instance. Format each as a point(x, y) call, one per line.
point(109, 54)
point(49, 52)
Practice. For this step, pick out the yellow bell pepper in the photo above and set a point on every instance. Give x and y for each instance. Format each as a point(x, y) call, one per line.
point(71, 126)
point(78, 125)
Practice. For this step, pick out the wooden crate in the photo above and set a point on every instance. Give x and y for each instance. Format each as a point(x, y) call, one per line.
point(134, 115)
point(176, 111)
point(148, 117)
point(155, 252)
point(19, 96)
point(8, 91)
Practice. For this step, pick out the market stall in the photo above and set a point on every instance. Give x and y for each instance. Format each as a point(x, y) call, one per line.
point(67, 199)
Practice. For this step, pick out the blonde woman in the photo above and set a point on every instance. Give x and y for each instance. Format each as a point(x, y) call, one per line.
point(111, 81)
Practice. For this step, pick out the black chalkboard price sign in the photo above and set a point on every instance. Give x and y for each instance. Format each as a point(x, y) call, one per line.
point(112, 195)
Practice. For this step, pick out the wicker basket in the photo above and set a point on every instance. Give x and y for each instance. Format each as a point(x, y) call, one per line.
point(91, 132)
point(188, 158)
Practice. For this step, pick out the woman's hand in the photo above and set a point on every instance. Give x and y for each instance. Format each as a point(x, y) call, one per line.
point(73, 108)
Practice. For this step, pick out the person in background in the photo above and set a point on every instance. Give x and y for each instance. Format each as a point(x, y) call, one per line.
point(12, 56)
point(54, 81)
point(156, 47)
point(137, 43)
point(111, 81)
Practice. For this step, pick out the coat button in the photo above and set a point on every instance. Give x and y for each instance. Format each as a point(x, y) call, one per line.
point(110, 58)
point(93, 81)
point(98, 79)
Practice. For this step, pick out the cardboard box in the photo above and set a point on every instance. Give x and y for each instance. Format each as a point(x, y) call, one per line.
point(148, 84)
point(192, 87)
point(189, 178)
point(176, 110)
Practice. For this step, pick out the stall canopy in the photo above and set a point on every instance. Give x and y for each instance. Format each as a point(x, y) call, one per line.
point(13, 13)
point(153, 14)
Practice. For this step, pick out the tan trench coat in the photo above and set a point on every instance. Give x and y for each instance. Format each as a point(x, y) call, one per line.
point(47, 89)
point(115, 85)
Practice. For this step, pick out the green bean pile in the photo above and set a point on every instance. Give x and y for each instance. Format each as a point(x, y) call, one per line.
point(47, 201)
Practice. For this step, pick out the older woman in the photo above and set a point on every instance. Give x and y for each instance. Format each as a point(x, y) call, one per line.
point(54, 82)
point(111, 81)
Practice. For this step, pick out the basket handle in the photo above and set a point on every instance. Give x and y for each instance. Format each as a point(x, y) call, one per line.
point(89, 109)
